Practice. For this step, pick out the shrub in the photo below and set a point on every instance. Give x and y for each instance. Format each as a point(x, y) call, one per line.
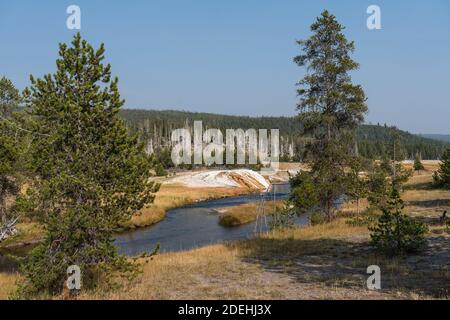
point(396, 233)
point(418, 164)
point(304, 195)
point(317, 218)
point(282, 219)
point(160, 171)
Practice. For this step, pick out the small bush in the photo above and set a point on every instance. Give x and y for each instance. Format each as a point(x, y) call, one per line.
point(396, 233)
point(317, 218)
point(418, 164)
point(160, 171)
point(282, 219)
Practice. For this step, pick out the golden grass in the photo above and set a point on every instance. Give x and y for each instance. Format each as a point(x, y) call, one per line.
point(246, 213)
point(7, 284)
point(292, 166)
point(429, 165)
point(351, 207)
point(220, 271)
point(337, 229)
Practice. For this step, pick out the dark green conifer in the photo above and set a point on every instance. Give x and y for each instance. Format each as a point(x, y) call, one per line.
point(91, 175)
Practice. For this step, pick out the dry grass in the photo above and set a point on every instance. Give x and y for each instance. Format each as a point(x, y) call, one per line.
point(246, 213)
point(337, 229)
point(351, 207)
point(319, 262)
point(292, 166)
point(425, 203)
point(429, 165)
point(7, 284)
point(221, 271)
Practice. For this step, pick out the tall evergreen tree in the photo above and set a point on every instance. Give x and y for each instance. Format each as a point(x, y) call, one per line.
point(330, 106)
point(91, 175)
point(9, 151)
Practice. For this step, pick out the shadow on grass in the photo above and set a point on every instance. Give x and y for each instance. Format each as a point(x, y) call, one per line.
point(7, 265)
point(420, 186)
point(431, 221)
point(429, 203)
point(339, 263)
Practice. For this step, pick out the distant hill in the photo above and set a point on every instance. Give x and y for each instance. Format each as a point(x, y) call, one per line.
point(439, 137)
point(154, 128)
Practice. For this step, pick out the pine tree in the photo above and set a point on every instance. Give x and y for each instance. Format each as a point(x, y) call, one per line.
point(9, 152)
point(331, 107)
point(379, 186)
point(91, 175)
point(418, 164)
point(442, 176)
point(396, 233)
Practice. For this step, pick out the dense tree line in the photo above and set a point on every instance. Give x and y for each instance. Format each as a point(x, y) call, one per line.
point(154, 127)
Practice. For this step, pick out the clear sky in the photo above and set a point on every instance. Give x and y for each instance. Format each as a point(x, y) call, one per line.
point(235, 56)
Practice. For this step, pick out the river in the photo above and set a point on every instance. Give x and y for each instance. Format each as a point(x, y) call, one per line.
point(195, 225)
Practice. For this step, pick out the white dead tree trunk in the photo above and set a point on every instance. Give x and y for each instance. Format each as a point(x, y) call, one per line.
point(8, 229)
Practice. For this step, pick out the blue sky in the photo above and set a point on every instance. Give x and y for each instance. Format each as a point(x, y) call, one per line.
point(235, 56)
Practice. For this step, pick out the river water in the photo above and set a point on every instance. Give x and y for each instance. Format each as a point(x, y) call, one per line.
point(195, 225)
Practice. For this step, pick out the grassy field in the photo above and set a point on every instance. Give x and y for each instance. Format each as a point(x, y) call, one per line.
point(246, 213)
point(321, 262)
point(325, 261)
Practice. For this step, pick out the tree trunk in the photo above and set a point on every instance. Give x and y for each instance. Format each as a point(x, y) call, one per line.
point(329, 208)
point(2, 210)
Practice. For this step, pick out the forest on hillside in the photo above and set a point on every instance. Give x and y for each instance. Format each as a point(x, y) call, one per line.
point(373, 141)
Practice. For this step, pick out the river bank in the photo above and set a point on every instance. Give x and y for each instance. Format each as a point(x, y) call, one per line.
point(326, 261)
point(172, 194)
